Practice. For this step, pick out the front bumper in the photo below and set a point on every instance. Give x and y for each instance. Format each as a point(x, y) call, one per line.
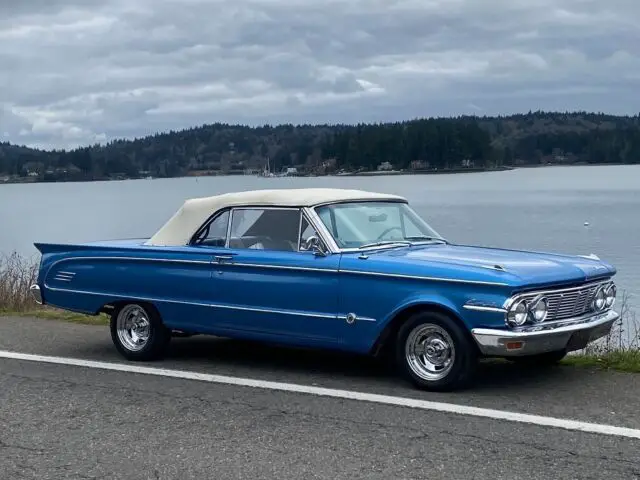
point(570, 335)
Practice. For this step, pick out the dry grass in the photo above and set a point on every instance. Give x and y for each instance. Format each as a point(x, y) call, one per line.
point(620, 350)
point(17, 274)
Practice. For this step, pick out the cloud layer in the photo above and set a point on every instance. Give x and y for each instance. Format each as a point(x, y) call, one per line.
point(75, 72)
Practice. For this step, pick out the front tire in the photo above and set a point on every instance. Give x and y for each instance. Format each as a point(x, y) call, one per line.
point(138, 333)
point(435, 353)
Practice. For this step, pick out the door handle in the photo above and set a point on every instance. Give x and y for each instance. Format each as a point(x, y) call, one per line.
point(222, 258)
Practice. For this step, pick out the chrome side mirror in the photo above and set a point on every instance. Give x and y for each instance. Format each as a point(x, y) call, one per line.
point(314, 245)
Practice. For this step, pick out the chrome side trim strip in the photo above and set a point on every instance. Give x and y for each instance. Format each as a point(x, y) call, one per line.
point(209, 305)
point(136, 259)
point(287, 267)
point(281, 267)
point(419, 277)
point(360, 272)
point(482, 308)
point(199, 262)
point(133, 259)
point(358, 319)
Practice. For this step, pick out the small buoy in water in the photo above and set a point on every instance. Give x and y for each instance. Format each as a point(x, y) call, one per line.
point(586, 224)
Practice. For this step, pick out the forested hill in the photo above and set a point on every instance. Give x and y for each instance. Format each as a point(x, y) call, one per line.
point(422, 144)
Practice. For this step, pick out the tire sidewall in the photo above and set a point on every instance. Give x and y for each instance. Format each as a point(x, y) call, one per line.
point(465, 353)
point(158, 335)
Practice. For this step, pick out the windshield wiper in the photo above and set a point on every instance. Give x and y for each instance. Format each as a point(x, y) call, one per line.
point(385, 242)
point(420, 238)
point(404, 241)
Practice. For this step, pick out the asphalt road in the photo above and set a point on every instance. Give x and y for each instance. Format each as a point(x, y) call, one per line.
point(60, 421)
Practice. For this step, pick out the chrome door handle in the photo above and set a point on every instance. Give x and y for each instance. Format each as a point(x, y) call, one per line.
point(221, 258)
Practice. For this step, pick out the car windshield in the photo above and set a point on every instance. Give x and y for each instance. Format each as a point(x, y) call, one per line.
point(369, 224)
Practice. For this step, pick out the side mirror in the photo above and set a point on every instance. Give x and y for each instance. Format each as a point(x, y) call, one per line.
point(314, 245)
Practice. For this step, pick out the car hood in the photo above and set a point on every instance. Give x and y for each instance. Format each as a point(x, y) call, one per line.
point(513, 267)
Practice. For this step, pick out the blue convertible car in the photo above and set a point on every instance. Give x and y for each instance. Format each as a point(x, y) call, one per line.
point(337, 269)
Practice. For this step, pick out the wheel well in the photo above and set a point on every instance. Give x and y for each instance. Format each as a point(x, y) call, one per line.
point(385, 339)
point(111, 307)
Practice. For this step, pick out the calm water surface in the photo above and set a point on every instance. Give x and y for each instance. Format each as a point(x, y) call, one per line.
point(536, 208)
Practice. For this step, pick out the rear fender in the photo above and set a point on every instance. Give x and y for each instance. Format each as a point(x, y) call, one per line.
point(175, 280)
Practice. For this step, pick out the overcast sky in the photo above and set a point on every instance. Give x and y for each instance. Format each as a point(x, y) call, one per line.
point(75, 72)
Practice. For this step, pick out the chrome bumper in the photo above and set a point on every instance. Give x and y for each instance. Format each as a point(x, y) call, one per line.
point(36, 294)
point(570, 335)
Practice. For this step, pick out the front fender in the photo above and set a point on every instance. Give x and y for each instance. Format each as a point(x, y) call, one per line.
point(469, 319)
point(427, 300)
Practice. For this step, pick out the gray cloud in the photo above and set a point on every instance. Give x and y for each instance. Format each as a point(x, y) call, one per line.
point(79, 72)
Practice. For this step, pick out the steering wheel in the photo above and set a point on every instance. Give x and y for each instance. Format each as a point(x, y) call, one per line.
point(387, 231)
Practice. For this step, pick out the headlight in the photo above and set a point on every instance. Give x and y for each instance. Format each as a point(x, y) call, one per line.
point(599, 300)
point(539, 309)
point(610, 295)
point(518, 313)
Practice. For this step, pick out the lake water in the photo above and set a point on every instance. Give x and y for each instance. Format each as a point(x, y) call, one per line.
point(530, 208)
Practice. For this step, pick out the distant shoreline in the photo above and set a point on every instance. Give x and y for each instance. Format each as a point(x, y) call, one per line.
point(421, 172)
point(369, 173)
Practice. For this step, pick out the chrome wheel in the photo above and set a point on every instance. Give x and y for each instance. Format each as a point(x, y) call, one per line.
point(133, 327)
point(430, 352)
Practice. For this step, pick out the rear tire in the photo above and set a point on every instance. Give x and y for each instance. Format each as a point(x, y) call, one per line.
point(138, 333)
point(434, 352)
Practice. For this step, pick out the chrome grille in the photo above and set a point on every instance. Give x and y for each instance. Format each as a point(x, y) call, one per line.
point(568, 303)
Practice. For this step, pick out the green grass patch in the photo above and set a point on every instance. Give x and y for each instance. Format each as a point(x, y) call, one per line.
point(619, 360)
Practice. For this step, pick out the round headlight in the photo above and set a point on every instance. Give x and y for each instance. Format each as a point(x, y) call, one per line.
point(539, 309)
point(518, 313)
point(600, 299)
point(610, 295)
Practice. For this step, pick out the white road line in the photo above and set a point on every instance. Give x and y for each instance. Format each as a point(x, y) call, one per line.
point(566, 424)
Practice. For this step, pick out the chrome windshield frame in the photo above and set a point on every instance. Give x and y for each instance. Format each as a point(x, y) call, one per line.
point(333, 246)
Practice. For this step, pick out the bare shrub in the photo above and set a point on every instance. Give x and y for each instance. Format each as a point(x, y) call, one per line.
point(17, 274)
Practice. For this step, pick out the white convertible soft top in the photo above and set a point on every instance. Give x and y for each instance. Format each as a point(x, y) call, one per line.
point(194, 212)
